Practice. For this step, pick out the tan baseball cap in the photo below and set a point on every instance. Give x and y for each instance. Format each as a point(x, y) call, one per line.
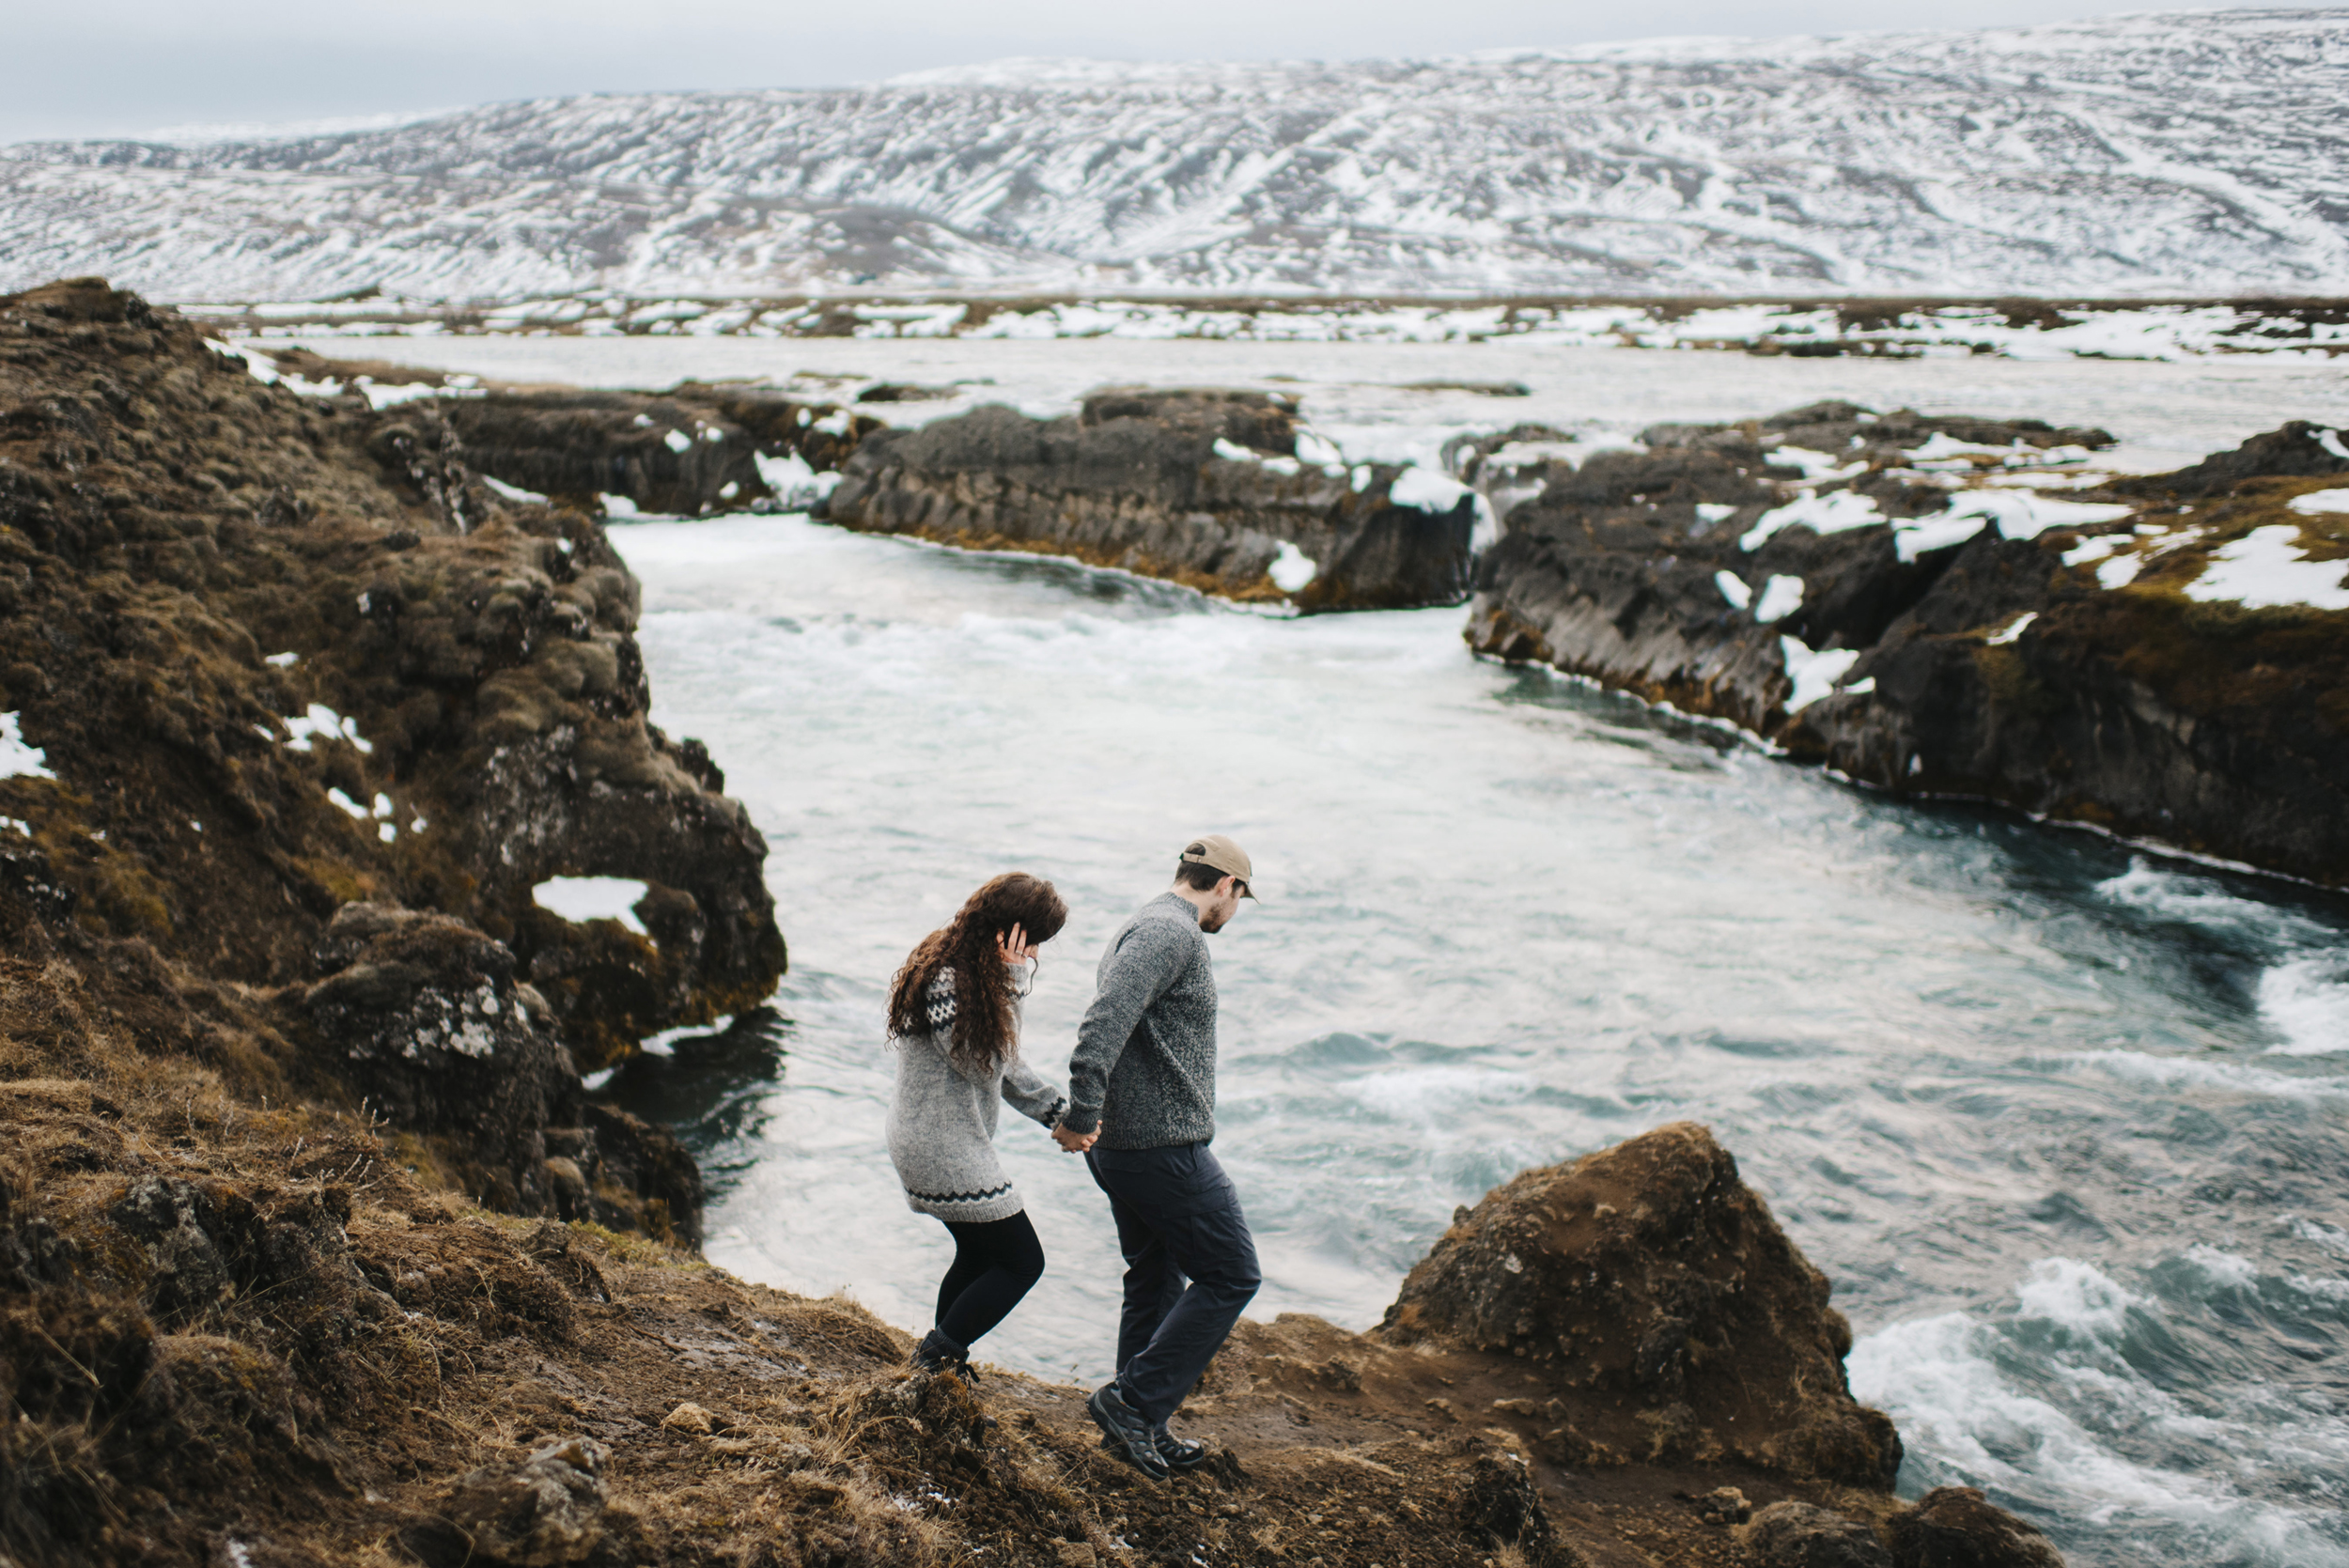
point(1222, 854)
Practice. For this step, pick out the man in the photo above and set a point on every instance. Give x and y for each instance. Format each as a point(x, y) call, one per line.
point(1141, 1106)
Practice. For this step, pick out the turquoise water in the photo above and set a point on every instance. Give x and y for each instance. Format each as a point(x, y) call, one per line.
point(2063, 1121)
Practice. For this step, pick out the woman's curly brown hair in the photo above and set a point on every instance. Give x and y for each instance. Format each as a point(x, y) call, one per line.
point(983, 1033)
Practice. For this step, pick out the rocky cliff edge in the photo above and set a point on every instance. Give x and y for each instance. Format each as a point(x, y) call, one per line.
point(238, 1334)
point(309, 729)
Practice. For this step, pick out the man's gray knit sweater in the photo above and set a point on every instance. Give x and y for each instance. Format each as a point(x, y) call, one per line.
point(1143, 1070)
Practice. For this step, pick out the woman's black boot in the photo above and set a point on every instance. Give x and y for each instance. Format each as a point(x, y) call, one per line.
point(936, 1353)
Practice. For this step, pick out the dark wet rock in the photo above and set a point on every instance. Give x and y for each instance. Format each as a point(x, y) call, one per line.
point(1957, 1527)
point(1201, 486)
point(905, 391)
point(692, 449)
point(822, 435)
point(596, 797)
point(664, 454)
point(1959, 660)
point(426, 1018)
point(1482, 389)
point(1795, 1534)
point(635, 1175)
point(1648, 1278)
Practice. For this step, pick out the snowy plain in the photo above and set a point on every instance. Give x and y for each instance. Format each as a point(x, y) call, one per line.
point(1390, 401)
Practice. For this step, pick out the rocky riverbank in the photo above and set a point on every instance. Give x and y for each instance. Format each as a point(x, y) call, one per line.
point(1220, 490)
point(302, 718)
point(1216, 490)
point(1956, 607)
point(313, 1246)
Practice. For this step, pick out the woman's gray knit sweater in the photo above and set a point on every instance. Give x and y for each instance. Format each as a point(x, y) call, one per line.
point(941, 1119)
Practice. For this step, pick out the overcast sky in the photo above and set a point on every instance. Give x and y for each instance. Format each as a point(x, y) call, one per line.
point(83, 68)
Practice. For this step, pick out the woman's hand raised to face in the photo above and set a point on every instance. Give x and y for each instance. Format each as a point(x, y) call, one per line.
point(1013, 945)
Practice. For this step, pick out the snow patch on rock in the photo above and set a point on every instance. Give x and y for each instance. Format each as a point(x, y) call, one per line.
point(2267, 567)
point(585, 898)
point(1292, 570)
point(17, 759)
point(1813, 672)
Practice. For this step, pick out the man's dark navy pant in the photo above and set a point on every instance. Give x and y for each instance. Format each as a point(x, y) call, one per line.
point(1190, 1267)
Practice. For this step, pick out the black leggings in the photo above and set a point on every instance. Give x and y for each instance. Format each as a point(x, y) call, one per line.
point(995, 1265)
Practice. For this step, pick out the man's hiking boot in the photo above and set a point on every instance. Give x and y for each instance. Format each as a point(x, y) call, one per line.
point(1180, 1454)
point(1124, 1433)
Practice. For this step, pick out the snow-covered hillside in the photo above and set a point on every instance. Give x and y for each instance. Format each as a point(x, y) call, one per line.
point(2190, 152)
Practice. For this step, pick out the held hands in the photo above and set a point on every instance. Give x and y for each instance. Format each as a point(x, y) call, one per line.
point(1075, 1143)
point(1014, 946)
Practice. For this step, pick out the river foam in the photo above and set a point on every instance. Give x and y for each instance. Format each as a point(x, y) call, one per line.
point(2056, 1399)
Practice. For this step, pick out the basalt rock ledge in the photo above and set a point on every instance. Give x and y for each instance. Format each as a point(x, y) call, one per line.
point(1206, 488)
point(1938, 607)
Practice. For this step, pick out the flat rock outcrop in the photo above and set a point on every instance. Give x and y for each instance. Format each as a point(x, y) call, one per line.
point(689, 450)
point(696, 448)
point(1936, 607)
point(1204, 487)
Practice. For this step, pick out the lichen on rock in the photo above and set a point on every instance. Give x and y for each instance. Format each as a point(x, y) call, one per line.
point(423, 1016)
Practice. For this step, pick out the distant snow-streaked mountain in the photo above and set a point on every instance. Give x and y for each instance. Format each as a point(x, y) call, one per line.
point(2191, 152)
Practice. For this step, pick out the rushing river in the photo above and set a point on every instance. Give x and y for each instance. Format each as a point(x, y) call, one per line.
point(2063, 1122)
point(2067, 1125)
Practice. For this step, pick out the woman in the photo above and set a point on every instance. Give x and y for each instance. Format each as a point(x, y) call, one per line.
point(954, 1015)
